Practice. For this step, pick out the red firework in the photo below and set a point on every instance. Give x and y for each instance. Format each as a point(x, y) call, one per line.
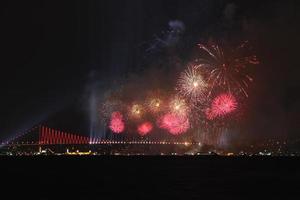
point(228, 68)
point(174, 124)
point(222, 105)
point(116, 122)
point(209, 114)
point(145, 128)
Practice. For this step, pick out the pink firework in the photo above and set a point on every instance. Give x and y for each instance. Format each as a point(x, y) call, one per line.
point(209, 114)
point(223, 105)
point(174, 123)
point(116, 122)
point(145, 128)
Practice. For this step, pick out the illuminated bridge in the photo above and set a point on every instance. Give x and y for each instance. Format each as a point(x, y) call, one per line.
point(43, 137)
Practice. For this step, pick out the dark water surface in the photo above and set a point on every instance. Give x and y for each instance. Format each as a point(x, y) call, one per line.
point(97, 177)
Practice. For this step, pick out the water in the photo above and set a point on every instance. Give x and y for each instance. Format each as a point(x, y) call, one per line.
point(151, 177)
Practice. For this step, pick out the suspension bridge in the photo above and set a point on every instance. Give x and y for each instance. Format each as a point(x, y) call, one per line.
point(43, 135)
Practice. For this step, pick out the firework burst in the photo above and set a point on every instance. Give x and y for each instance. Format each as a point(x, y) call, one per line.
point(179, 106)
point(221, 106)
point(228, 70)
point(191, 84)
point(155, 105)
point(116, 123)
point(136, 111)
point(155, 101)
point(174, 124)
point(145, 128)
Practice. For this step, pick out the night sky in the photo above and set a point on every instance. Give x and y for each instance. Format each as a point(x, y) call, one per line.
point(53, 50)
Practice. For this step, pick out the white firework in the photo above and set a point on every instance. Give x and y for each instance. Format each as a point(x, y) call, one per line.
point(191, 84)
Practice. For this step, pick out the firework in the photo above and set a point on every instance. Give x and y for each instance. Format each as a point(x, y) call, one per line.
point(145, 128)
point(116, 123)
point(222, 105)
point(173, 123)
point(197, 101)
point(228, 70)
point(155, 105)
point(108, 107)
point(179, 106)
point(191, 84)
point(136, 111)
point(209, 114)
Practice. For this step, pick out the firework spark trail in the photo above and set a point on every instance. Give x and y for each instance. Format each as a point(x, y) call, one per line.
point(228, 71)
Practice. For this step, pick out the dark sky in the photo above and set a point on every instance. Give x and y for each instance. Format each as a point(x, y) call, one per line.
point(49, 49)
